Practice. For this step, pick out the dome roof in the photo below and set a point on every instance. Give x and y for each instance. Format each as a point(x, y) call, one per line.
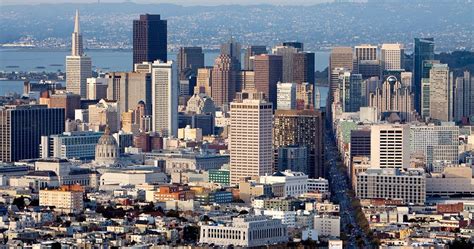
point(107, 139)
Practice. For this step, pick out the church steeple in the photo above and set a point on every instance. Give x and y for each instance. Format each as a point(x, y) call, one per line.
point(77, 49)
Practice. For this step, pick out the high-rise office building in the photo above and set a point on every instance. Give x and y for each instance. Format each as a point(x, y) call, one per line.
point(392, 57)
point(246, 81)
point(149, 39)
point(393, 96)
point(164, 93)
point(232, 48)
point(365, 52)
point(390, 146)
point(250, 53)
point(435, 143)
point(78, 65)
point(367, 62)
point(189, 60)
point(424, 50)
point(286, 53)
point(23, 126)
point(303, 67)
point(301, 128)
point(96, 88)
point(286, 96)
point(104, 114)
point(464, 97)
point(340, 59)
point(131, 88)
point(305, 96)
point(360, 143)
point(268, 72)
point(204, 81)
point(250, 138)
point(350, 87)
point(441, 93)
point(224, 79)
point(425, 87)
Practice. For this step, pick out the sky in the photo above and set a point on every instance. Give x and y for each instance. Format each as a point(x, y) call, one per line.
point(180, 2)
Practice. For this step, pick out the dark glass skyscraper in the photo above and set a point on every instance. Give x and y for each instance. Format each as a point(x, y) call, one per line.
point(424, 50)
point(149, 39)
point(22, 127)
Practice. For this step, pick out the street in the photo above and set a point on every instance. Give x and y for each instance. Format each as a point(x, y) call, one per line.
point(339, 185)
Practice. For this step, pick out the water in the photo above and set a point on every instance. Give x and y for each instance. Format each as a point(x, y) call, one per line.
point(39, 60)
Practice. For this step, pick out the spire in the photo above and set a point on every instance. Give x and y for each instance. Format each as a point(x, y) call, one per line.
point(77, 49)
point(76, 22)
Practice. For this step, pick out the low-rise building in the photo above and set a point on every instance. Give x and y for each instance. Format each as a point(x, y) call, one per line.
point(391, 183)
point(67, 199)
point(295, 183)
point(328, 225)
point(248, 231)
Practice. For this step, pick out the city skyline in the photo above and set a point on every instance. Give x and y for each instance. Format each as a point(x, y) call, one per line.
point(257, 148)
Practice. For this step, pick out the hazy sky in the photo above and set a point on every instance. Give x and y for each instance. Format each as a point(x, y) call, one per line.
point(181, 2)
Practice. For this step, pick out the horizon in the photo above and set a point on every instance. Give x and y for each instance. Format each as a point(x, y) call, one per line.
point(176, 2)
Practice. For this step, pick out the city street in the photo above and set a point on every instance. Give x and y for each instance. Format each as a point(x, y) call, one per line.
point(339, 186)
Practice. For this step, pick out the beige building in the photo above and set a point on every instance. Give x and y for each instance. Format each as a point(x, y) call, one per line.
point(96, 88)
point(67, 199)
point(78, 66)
point(189, 133)
point(204, 81)
point(104, 113)
point(130, 88)
point(250, 138)
point(392, 56)
point(248, 231)
point(393, 184)
point(328, 225)
point(452, 181)
point(390, 146)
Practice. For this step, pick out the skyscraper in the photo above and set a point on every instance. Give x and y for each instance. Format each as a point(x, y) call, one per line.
point(301, 128)
point(130, 88)
point(22, 128)
point(189, 60)
point(303, 67)
point(224, 79)
point(268, 72)
point(149, 39)
point(392, 56)
point(165, 98)
point(233, 49)
point(393, 96)
point(441, 93)
point(424, 50)
point(286, 53)
point(250, 53)
point(286, 96)
point(250, 138)
point(464, 97)
point(341, 58)
point(350, 87)
point(390, 146)
point(78, 66)
point(365, 52)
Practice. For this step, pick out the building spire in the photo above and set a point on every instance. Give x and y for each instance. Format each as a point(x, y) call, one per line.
point(76, 22)
point(77, 49)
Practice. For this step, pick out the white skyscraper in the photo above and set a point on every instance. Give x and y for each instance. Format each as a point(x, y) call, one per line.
point(286, 96)
point(392, 56)
point(78, 66)
point(251, 152)
point(390, 146)
point(164, 93)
